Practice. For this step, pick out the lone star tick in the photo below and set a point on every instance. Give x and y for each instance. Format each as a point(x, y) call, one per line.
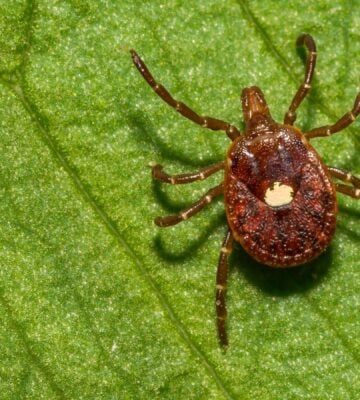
point(279, 196)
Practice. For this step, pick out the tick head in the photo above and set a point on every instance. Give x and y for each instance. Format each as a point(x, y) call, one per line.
point(254, 104)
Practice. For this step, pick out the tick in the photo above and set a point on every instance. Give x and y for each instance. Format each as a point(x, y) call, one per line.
point(280, 198)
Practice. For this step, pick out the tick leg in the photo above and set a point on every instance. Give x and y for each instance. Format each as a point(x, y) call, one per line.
point(221, 279)
point(341, 124)
point(346, 176)
point(160, 175)
point(350, 191)
point(304, 88)
point(183, 109)
point(192, 210)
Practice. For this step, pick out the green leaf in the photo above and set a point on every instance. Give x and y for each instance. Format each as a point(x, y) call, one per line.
point(98, 303)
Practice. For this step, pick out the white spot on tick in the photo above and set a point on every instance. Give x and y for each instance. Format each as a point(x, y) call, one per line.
point(279, 194)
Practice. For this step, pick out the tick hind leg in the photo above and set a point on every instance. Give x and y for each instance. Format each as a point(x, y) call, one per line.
point(160, 175)
point(221, 279)
point(192, 210)
point(304, 88)
point(345, 176)
point(206, 122)
point(341, 124)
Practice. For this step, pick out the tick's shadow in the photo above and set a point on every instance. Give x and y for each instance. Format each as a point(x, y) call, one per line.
point(282, 282)
point(354, 215)
point(171, 206)
point(161, 197)
point(274, 281)
point(166, 252)
point(147, 138)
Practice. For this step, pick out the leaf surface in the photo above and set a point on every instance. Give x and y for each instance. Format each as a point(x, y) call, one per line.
point(98, 303)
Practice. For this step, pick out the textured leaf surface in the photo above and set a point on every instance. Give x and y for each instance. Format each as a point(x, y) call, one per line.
point(95, 301)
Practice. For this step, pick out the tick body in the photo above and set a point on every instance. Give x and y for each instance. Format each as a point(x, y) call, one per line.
point(279, 196)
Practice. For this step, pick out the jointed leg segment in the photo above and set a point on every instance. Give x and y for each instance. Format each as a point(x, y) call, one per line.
point(192, 210)
point(160, 175)
point(304, 88)
point(206, 122)
point(341, 124)
point(346, 176)
point(221, 279)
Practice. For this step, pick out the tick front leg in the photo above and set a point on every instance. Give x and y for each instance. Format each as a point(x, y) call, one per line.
point(221, 279)
point(346, 176)
point(206, 122)
point(160, 175)
point(304, 88)
point(192, 210)
point(341, 124)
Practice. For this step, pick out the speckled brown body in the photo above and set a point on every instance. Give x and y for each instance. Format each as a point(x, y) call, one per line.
point(268, 152)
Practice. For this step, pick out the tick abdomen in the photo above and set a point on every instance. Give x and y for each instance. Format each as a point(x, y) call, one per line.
point(280, 200)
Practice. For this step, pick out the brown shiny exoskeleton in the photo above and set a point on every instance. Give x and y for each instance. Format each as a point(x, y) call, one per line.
point(279, 196)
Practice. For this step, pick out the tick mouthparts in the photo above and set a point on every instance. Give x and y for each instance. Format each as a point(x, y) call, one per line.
point(253, 102)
